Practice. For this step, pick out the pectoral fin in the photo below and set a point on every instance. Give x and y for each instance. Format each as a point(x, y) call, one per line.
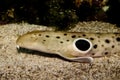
point(83, 59)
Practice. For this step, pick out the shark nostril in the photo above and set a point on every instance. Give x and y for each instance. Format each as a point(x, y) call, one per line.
point(83, 45)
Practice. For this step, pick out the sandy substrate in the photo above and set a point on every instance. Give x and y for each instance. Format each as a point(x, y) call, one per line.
point(30, 65)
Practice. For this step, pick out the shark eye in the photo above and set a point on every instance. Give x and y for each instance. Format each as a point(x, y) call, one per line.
point(82, 45)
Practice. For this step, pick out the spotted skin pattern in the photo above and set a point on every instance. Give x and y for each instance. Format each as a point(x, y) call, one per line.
point(61, 43)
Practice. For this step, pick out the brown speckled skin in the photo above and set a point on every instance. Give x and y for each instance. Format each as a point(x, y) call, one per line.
point(62, 43)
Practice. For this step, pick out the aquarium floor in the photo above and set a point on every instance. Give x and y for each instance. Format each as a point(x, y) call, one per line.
point(15, 65)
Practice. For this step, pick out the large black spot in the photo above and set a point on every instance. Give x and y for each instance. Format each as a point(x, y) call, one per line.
point(91, 38)
point(106, 53)
point(65, 34)
point(118, 39)
point(83, 35)
point(107, 41)
point(73, 36)
point(39, 34)
point(47, 36)
point(95, 46)
point(58, 37)
point(82, 45)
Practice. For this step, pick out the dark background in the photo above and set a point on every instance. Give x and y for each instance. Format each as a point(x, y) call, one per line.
point(59, 13)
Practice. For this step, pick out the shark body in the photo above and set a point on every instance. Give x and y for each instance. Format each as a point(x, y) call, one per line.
point(74, 46)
